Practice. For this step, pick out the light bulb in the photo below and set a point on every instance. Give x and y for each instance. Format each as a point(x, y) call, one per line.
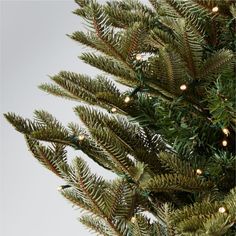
point(183, 87)
point(63, 187)
point(215, 9)
point(222, 210)
point(224, 143)
point(139, 57)
point(225, 131)
point(133, 219)
point(113, 109)
point(199, 171)
point(81, 137)
point(127, 99)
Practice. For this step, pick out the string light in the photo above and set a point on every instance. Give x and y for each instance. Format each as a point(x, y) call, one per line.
point(139, 57)
point(127, 99)
point(183, 87)
point(222, 210)
point(133, 219)
point(199, 171)
point(215, 9)
point(225, 131)
point(224, 143)
point(81, 137)
point(113, 109)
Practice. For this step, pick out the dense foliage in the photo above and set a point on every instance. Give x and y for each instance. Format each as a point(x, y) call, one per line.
point(170, 137)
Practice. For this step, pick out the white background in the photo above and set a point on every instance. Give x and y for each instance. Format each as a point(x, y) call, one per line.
point(33, 45)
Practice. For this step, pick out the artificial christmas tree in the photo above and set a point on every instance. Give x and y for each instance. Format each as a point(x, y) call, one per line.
point(170, 137)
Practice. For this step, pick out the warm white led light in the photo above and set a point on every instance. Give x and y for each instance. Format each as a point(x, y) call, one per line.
point(222, 210)
point(215, 9)
point(199, 171)
point(225, 131)
point(139, 57)
point(224, 143)
point(81, 137)
point(127, 99)
point(183, 87)
point(113, 109)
